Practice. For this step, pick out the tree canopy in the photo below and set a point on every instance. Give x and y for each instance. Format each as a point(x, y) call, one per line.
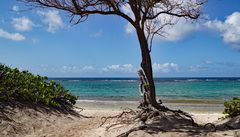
point(149, 15)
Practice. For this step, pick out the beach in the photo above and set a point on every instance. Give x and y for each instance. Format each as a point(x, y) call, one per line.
point(201, 118)
point(201, 113)
point(89, 123)
point(99, 99)
point(91, 127)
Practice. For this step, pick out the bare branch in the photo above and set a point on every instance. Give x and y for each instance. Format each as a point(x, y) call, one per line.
point(84, 8)
point(143, 10)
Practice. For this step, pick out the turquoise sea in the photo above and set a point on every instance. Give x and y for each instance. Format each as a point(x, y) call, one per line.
point(167, 89)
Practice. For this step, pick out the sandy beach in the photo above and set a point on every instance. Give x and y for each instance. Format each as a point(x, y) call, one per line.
point(188, 106)
point(88, 123)
point(200, 118)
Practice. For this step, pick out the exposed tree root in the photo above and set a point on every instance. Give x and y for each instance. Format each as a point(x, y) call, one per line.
point(120, 117)
point(210, 126)
point(116, 124)
point(150, 120)
point(125, 134)
point(79, 108)
point(179, 113)
point(229, 127)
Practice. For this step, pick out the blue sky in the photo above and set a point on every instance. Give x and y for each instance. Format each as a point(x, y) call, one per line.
point(44, 42)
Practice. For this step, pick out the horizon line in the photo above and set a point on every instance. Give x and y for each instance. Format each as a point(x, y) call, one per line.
point(154, 77)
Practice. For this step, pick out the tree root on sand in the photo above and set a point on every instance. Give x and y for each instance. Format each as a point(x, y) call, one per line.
point(153, 120)
point(122, 118)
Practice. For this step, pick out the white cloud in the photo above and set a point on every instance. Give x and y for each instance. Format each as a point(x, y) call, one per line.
point(221, 63)
point(129, 28)
point(165, 67)
point(127, 10)
point(69, 69)
point(129, 68)
point(87, 68)
point(180, 30)
point(22, 24)
point(229, 29)
point(119, 68)
point(15, 8)
point(52, 19)
point(197, 68)
point(176, 32)
point(75, 69)
point(172, 33)
point(11, 36)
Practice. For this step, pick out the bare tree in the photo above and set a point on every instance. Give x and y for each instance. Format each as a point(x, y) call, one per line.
point(148, 17)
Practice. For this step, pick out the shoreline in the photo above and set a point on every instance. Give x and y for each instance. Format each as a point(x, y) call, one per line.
point(188, 106)
point(192, 101)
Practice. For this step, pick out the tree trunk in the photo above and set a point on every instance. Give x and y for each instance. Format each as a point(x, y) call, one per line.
point(146, 65)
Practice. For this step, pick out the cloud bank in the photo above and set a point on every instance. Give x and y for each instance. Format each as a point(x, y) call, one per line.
point(119, 68)
point(165, 67)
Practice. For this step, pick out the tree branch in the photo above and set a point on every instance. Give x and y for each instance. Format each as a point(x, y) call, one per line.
point(83, 8)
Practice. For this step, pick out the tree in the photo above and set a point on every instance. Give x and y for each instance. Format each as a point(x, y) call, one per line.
point(148, 17)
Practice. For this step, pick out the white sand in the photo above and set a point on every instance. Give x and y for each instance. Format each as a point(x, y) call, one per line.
point(37, 124)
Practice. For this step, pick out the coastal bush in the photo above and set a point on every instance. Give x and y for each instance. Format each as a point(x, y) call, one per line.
point(16, 85)
point(232, 107)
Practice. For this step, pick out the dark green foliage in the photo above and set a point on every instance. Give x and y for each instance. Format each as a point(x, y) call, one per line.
point(18, 85)
point(232, 107)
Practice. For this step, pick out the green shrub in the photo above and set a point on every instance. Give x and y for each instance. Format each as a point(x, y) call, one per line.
point(232, 107)
point(18, 85)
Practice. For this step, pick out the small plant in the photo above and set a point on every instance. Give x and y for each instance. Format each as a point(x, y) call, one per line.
point(232, 107)
point(18, 85)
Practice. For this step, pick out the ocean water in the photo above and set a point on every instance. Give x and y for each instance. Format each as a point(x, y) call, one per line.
point(167, 89)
